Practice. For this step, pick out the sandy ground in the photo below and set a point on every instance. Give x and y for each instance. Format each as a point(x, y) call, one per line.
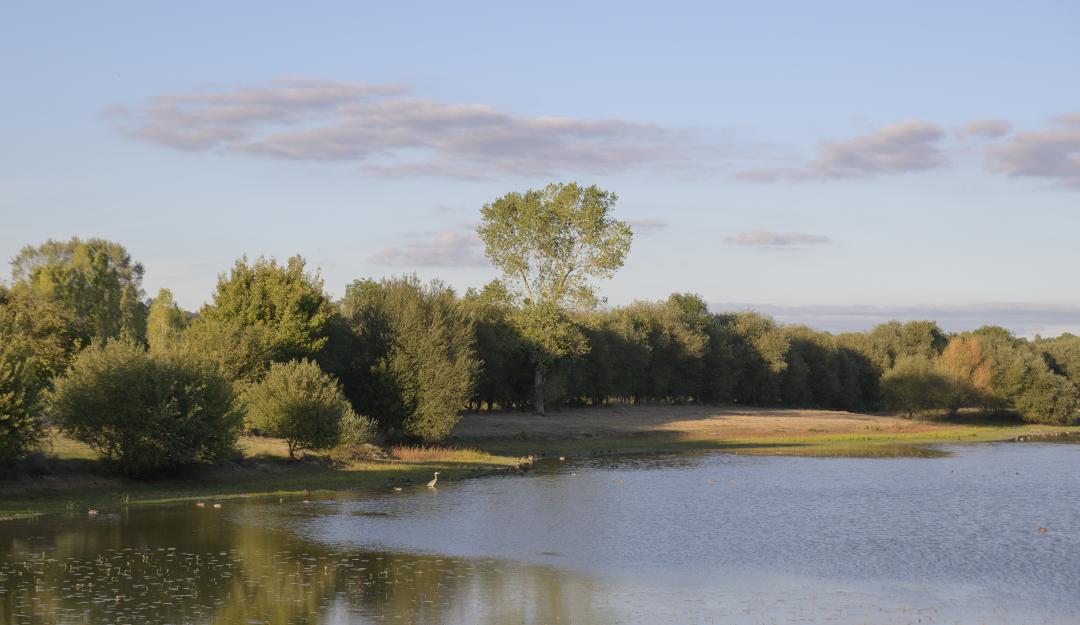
point(701, 422)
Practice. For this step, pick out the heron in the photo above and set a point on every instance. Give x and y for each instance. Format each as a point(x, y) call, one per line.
point(431, 484)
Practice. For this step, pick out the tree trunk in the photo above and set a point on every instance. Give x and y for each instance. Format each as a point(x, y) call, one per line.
point(538, 402)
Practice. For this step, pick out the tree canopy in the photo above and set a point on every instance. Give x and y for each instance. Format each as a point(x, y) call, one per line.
point(549, 243)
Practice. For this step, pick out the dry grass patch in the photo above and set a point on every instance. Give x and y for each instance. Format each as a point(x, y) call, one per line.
point(445, 455)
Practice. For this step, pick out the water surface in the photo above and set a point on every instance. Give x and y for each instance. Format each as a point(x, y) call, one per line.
point(680, 538)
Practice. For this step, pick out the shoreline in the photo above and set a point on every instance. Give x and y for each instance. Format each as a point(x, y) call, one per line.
point(493, 443)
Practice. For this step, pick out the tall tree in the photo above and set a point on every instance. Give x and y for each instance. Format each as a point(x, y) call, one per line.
point(415, 364)
point(96, 280)
point(549, 243)
point(165, 320)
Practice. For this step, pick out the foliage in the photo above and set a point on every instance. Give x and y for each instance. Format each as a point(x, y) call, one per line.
point(415, 367)
point(300, 403)
point(915, 385)
point(506, 368)
point(20, 429)
point(280, 312)
point(146, 412)
point(970, 371)
point(164, 321)
point(548, 244)
point(94, 280)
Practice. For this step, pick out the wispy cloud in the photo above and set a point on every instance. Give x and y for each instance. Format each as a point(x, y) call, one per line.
point(769, 239)
point(460, 247)
point(985, 129)
point(646, 227)
point(1053, 154)
point(898, 148)
point(1025, 319)
point(390, 132)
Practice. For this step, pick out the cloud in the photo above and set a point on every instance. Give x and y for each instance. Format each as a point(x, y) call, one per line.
point(1053, 153)
point(767, 239)
point(459, 247)
point(986, 129)
point(1024, 319)
point(645, 227)
point(389, 132)
point(898, 148)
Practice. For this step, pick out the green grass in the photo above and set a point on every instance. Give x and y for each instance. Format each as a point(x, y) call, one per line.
point(82, 482)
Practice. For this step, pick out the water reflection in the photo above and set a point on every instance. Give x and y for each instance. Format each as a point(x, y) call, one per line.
point(216, 570)
point(697, 537)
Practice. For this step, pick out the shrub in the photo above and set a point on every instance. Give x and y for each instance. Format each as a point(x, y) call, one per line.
point(357, 429)
point(146, 412)
point(416, 365)
point(301, 403)
point(916, 385)
point(20, 429)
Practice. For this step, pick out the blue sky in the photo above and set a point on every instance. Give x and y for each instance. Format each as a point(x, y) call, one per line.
point(813, 158)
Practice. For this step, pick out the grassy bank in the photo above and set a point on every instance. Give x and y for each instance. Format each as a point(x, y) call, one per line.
point(744, 430)
point(491, 442)
point(78, 481)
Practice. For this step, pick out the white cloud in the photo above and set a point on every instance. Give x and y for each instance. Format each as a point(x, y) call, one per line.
point(768, 239)
point(459, 247)
point(898, 148)
point(1024, 319)
point(391, 133)
point(645, 227)
point(1053, 153)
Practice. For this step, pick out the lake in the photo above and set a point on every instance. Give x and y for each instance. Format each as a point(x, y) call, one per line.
point(672, 538)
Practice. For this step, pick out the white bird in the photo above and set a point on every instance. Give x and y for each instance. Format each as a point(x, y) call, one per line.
point(431, 484)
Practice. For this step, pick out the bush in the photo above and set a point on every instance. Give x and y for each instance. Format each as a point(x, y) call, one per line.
point(1050, 399)
point(357, 429)
point(916, 385)
point(20, 429)
point(146, 412)
point(416, 367)
point(299, 402)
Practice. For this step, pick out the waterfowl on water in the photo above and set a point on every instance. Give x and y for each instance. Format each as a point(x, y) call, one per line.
point(431, 484)
point(217, 505)
point(200, 504)
point(91, 512)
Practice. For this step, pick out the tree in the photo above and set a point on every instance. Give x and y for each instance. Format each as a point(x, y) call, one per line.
point(915, 385)
point(165, 321)
point(262, 313)
point(299, 402)
point(146, 412)
point(95, 280)
point(548, 244)
point(504, 358)
point(20, 429)
point(970, 370)
point(415, 365)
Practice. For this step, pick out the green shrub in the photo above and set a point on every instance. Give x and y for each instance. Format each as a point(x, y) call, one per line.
point(356, 429)
point(20, 429)
point(301, 403)
point(416, 366)
point(915, 385)
point(146, 412)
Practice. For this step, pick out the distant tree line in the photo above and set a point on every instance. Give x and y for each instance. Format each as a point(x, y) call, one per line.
point(155, 388)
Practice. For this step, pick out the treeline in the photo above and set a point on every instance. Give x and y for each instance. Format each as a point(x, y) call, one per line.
point(153, 387)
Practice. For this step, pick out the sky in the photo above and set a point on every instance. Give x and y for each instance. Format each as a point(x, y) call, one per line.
point(832, 163)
